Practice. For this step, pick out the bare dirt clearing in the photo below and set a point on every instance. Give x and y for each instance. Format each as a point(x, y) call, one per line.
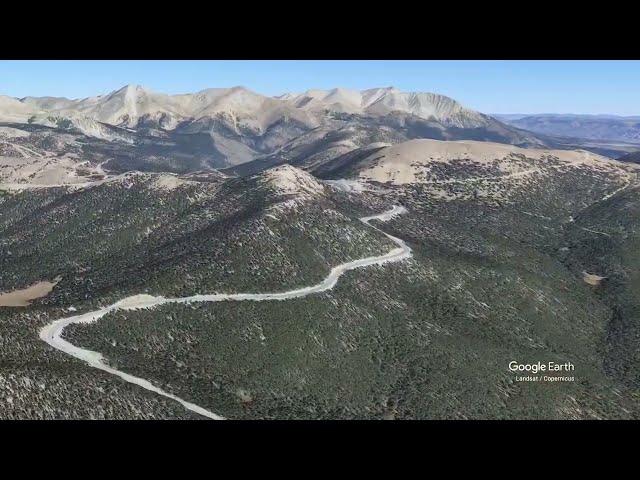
point(592, 279)
point(22, 298)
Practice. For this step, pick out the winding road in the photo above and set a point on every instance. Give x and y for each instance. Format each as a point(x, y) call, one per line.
point(52, 333)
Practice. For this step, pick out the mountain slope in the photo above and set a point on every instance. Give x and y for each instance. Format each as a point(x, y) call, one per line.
point(13, 110)
point(383, 101)
point(428, 161)
point(429, 337)
point(347, 133)
point(243, 126)
point(134, 105)
point(604, 240)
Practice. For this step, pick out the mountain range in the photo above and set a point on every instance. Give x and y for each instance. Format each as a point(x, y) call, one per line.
point(134, 128)
point(593, 127)
point(247, 132)
point(134, 105)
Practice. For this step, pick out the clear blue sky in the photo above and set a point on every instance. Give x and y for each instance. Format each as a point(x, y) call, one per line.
point(489, 86)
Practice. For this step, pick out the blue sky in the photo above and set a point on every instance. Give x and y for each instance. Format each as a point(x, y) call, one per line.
point(595, 87)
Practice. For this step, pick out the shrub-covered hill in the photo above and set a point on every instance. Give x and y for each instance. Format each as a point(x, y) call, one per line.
point(431, 337)
point(604, 240)
point(160, 234)
point(170, 236)
point(497, 275)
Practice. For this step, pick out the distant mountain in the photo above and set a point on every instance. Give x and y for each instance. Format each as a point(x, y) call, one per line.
point(631, 157)
point(383, 101)
point(593, 127)
point(231, 127)
point(133, 106)
point(13, 110)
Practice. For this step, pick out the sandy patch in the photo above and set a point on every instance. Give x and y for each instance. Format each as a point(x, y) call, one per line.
point(22, 298)
point(168, 182)
point(592, 279)
point(142, 300)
